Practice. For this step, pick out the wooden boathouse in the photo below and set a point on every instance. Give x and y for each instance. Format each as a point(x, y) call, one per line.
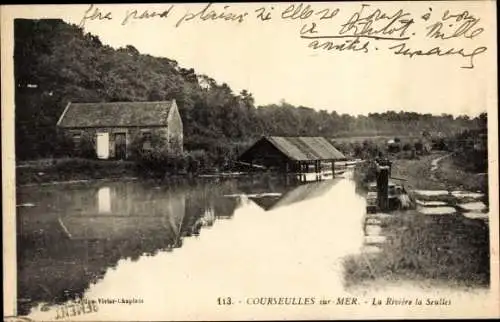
point(294, 155)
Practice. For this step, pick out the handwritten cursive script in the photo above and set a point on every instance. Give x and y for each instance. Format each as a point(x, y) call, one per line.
point(208, 13)
point(94, 13)
point(377, 24)
point(135, 15)
point(455, 25)
point(398, 29)
point(401, 49)
point(366, 29)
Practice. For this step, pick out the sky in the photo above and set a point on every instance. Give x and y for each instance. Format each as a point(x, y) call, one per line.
point(269, 59)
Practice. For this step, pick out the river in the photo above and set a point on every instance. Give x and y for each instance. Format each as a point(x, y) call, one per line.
point(179, 251)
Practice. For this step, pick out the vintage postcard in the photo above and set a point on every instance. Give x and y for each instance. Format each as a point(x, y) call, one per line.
point(250, 161)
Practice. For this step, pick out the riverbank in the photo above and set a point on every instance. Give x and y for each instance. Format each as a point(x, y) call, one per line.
point(430, 250)
point(72, 170)
point(446, 238)
point(79, 170)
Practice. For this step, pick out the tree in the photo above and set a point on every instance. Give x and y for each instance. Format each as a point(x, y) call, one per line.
point(55, 63)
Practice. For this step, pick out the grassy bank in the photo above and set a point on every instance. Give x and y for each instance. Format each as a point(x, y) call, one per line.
point(417, 172)
point(453, 174)
point(452, 250)
point(430, 249)
point(70, 169)
point(449, 175)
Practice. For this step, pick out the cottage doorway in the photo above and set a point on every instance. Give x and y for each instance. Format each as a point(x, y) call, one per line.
point(120, 146)
point(102, 142)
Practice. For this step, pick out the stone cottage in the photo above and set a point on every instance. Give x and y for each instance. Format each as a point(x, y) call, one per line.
point(113, 127)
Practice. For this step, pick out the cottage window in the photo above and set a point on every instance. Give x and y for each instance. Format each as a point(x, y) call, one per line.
point(146, 140)
point(77, 140)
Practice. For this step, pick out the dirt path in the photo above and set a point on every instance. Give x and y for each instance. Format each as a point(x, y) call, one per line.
point(435, 164)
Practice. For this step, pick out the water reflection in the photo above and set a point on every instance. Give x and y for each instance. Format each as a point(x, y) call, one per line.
point(74, 236)
point(73, 242)
point(122, 239)
point(104, 200)
point(288, 195)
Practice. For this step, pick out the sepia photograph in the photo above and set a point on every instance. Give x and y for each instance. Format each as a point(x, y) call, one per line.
point(250, 161)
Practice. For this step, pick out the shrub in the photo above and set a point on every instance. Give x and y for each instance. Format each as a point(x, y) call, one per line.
point(197, 161)
point(394, 148)
point(216, 154)
point(156, 159)
point(407, 147)
point(160, 162)
point(65, 147)
point(371, 149)
point(419, 146)
point(365, 173)
point(87, 148)
point(439, 144)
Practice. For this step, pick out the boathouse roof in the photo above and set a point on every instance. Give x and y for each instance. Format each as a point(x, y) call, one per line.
point(300, 148)
point(294, 195)
point(115, 114)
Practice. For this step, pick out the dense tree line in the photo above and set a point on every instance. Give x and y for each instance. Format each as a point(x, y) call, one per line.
point(56, 62)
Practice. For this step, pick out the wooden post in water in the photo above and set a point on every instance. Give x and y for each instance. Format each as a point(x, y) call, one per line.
point(300, 170)
point(319, 170)
point(333, 168)
point(383, 186)
point(316, 169)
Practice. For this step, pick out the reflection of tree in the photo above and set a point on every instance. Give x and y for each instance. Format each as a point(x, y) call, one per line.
point(205, 202)
point(54, 267)
point(55, 272)
point(224, 207)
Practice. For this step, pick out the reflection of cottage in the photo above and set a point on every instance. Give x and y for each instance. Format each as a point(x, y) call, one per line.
point(111, 128)
point(117, 214)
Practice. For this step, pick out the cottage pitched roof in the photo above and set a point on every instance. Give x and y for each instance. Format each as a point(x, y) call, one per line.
point(117, 227)
point(115, 114)
point(304, 148)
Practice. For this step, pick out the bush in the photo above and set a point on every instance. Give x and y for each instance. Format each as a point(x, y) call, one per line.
point(409, 155)
point(65, 147)
point(216, 153)
point(370, 149)
point(419, 146)
point(439, 144)
point(158, 163)
point(156, 159)
point(197, 161)
point(394, 148)
point(407, 147)
point(365, 173)
point(87, 148)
